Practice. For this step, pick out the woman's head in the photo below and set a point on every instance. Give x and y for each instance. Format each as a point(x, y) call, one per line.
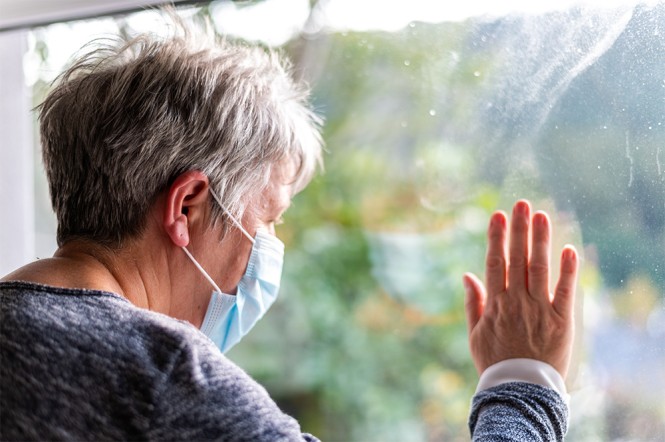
point(131, 115)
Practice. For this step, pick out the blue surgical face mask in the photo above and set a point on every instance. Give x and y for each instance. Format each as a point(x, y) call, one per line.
point(229, 318)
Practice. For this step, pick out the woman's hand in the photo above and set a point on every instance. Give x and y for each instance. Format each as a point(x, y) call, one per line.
point(516, 315)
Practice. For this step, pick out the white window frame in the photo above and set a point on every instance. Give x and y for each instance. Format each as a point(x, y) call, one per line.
point(17, 234)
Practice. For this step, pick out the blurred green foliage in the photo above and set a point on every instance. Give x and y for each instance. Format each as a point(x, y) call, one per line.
point(369, 335)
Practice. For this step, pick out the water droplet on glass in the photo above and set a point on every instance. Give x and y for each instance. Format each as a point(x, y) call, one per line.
point(432, 112)
point(476, 74)
point(404, 124)
point(407, 63)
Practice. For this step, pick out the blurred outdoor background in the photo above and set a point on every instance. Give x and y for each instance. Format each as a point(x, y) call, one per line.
point(437, 115)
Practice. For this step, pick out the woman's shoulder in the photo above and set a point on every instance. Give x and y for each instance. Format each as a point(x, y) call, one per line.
point(89, 331)
point(78, 346)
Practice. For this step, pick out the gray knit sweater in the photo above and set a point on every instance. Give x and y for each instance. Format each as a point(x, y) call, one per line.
point(88, 365)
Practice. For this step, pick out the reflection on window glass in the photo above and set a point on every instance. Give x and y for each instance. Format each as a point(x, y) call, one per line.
point(436, 117)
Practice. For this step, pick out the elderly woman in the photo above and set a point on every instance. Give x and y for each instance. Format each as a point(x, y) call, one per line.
point(169, 163)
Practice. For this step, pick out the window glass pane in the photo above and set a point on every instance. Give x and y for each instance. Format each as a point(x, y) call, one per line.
point(435, 117)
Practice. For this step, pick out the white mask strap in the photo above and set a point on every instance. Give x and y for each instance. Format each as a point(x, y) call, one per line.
point(238, 225)
point(198, 266)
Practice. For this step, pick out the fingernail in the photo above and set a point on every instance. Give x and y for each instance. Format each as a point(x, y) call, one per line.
point(569, 253)
point(524, 207)
point(467, 285)
point(498, 220)
point(539, 218)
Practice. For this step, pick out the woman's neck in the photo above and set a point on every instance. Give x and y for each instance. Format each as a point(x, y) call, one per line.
point(86, 265)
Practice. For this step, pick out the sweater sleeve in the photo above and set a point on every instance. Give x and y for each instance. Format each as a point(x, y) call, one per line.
point(518, 411)
point(205, 397)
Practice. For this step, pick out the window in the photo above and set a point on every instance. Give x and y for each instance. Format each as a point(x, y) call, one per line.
point(435, 117)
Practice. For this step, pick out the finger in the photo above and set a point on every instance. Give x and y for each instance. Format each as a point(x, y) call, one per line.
point(495, 262)
point(564, 294)
point(539, 265)
point(519, 247)
point(474, 303)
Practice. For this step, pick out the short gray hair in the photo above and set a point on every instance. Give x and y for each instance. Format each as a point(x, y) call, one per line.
point(132, 114)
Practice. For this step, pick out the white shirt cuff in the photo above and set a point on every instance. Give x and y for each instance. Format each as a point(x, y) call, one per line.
point(523, 370)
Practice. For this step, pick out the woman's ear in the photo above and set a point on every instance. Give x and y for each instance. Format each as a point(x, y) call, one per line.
point(186, 203)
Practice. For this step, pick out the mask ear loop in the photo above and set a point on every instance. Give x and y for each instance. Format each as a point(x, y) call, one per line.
point(238, 225)
point(201, 269)
point(242, 229)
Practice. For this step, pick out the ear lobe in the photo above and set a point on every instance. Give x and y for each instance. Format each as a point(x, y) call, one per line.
point(178, 231)
point(186, 201)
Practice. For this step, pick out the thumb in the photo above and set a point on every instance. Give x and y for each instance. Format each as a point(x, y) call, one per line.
point(474, 304)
